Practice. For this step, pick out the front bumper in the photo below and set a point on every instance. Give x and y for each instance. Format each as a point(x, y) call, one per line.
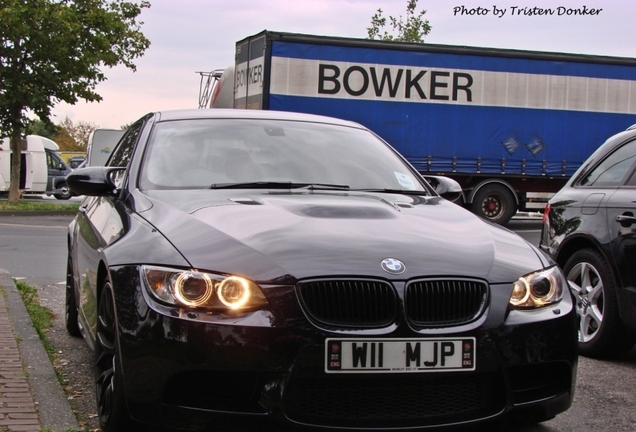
point(187, 371)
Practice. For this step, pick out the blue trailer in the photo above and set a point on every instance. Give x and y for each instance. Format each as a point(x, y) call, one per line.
point(508, 125)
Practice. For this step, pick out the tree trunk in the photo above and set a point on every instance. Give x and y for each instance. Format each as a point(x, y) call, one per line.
point(16, 160)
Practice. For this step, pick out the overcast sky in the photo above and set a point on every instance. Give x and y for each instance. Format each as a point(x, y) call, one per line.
point(199, 35)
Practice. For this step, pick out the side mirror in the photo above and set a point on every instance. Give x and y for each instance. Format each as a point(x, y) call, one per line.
point(445, 187)
point(93, 181)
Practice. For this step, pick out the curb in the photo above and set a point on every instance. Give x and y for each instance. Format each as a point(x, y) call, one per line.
point(50, 400)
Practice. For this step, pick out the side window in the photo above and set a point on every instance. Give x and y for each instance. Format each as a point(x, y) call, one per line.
point(613, 169)
point(53, 160)
point(50, 161)
point(124, 150)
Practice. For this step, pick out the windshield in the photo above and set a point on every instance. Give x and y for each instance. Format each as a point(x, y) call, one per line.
point(221, 153)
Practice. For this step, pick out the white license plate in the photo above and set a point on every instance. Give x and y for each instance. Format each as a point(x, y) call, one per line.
point(389, 355)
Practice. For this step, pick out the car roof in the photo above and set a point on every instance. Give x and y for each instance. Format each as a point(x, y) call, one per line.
point(614, 141)
point(603, 150)
point(215, 113)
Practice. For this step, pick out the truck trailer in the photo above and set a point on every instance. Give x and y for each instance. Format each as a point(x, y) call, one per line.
point(511, 126)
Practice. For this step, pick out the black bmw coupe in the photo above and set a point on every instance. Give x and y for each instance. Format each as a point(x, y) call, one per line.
point(296, 267)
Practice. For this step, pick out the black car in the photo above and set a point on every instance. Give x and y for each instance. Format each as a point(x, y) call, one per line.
point(590, 230)
point(295, 267)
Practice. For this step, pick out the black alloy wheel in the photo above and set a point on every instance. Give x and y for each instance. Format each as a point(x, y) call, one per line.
point(111, 404)
point(601, 332)
point(70, 306)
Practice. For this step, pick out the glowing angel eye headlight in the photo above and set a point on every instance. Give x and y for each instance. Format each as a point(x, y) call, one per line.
point(538, 289)
point(233, 292)
point(195, 289)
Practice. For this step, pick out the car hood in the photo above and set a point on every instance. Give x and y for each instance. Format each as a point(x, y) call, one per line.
point(277, 235)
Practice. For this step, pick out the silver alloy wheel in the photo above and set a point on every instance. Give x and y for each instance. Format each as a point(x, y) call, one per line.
point(64, 192)
point(587, 285)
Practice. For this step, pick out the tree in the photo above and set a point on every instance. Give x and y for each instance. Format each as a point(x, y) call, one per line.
point(38, 127)
point(74, 136)
point(53, 51)
point(413, 30)
point(68, 135)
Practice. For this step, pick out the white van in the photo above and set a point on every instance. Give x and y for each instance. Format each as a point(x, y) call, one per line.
point(42, 170)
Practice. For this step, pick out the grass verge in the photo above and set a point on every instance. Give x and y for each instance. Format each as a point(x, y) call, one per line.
point(36, 206)
point(41, 317)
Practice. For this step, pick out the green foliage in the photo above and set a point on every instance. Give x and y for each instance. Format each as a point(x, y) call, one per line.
point(38, 127)
point(68, 135)
point(53, 51)
point(412, 30)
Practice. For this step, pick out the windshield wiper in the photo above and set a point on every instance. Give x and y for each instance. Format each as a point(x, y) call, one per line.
point(324, 186)
point(279, 185)
point(397, 191)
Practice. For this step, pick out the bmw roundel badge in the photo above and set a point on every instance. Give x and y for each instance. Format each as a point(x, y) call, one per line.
point(393, 266)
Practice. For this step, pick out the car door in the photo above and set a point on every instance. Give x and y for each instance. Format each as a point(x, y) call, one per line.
point(100, 222)
point(621, 218)
point(56, 169)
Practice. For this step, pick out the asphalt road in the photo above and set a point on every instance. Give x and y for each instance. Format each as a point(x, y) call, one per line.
point(33, 249)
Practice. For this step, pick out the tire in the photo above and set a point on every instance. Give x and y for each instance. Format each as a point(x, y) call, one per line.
point(65, 192)
point(70, 307)
point(495, 203)
point(111, 403)
point(601, 332)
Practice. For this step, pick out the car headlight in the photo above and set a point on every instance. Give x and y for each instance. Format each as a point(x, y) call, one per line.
point(195, 289)
point(538, 289)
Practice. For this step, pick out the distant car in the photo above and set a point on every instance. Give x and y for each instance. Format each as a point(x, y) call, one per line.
point(269, 264)
point(590, 230)
point(57, 170)
point(76, 161)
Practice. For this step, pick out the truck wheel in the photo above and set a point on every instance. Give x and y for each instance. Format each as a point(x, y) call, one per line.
point(65, 192)
point(495, 203)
